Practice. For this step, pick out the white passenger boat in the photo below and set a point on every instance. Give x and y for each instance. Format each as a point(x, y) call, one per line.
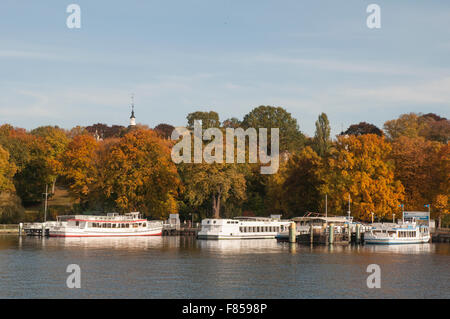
point(241, 228)
point(111, 225)
point(413, 229)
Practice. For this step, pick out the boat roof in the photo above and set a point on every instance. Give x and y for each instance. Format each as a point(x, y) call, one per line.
point(331, 219)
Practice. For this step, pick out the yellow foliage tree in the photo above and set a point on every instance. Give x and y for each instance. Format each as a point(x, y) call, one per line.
point(359, 166)
point(139, 175)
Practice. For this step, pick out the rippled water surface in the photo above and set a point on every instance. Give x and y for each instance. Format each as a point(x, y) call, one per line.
point(182, 267)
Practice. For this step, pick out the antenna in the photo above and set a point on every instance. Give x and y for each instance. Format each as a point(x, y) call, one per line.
point(132, 102)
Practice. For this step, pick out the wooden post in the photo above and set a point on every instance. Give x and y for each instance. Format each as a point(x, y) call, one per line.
point(292, 233)
point(20, 228)
point(311, 233)
point(331, 234)
point(358, 234)
point(43, 230)
point(349, 233)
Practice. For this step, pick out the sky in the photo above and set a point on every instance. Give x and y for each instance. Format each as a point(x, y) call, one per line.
point(229, 56)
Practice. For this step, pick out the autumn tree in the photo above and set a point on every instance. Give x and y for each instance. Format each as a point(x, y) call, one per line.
point(417, 167)
point(80, 167)
point(322, 141)
point(231, 123)
point(363, 128)
point(30, 155)
point(164, 130)
point(430, 126)
point(442, 207)
point(139, 175)
point(57, 141)
point(296, 189)
point(359, 166)
point(7, 171)
point(104, 131)
point(212, 183)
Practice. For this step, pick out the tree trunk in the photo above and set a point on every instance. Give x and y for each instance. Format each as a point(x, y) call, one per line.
point(216, 206)
point(53, 186)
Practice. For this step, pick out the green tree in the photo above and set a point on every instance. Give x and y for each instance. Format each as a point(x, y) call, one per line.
point(296, 189)
point(322, 139)
point(209, 119)
point(291, 138)
point(57, 141)
point(212, 183)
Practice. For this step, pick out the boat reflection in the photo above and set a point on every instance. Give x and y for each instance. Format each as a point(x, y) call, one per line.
point(253, 246)
point(128, 243)
point(401, 249)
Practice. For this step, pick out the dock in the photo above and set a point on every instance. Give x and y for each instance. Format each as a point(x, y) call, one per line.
point(179, 230)
point(441, 235)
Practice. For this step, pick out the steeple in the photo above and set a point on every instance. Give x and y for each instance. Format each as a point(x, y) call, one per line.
point(132, 117)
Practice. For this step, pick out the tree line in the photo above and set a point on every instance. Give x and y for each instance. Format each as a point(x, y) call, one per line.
point(122, 169)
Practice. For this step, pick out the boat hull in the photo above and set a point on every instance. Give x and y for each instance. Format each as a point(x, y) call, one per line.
point(217, 237)
point(68, 233)
point(390, 241)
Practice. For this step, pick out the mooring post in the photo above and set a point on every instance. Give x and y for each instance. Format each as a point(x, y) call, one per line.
point(20, 228)
point(43, 230)
point(311, 233)
point(292, 233)
point(331, 234)
point(358, 234)
point(349, 233)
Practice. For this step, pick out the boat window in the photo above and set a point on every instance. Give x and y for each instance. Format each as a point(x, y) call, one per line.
point(241, 229)
point(144, 224)
point(113, 225)
point(77, 223)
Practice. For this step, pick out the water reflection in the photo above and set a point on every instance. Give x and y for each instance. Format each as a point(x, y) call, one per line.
point(242, 246)
point(401, 249)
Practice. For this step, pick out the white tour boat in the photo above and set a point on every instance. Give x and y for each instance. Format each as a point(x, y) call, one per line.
point(413, 229)
point(111, 225)
point(242, 228)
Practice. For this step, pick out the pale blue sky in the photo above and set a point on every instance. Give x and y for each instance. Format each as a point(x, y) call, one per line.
point(228, 56)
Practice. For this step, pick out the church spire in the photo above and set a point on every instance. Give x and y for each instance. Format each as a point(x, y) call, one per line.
point(132, 117)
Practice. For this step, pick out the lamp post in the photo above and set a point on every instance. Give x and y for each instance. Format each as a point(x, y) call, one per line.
point(372, 217)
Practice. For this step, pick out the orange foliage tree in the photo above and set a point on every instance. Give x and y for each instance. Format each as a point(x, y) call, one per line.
point(418, 165)
point(359, 166)
point(139, 174)
point(80, 166)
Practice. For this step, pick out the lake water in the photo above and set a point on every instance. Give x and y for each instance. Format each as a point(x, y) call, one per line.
point(183, 267)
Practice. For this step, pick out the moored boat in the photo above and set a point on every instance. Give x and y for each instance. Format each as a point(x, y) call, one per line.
point(412, 229)
point(111, 225)
point(242, 228)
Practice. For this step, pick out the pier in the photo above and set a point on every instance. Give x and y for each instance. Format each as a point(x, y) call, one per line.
point(181, 229)
point(441, 235)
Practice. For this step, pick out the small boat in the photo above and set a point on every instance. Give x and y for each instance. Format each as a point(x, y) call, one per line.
point(411, 230)
point(111, 225)
point(242, 228)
